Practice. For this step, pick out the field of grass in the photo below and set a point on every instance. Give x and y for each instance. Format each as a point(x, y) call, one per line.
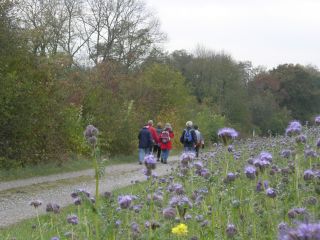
point(261, 188)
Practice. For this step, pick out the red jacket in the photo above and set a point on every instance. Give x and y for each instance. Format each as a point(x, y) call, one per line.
point(154, 134)
point(167, 145)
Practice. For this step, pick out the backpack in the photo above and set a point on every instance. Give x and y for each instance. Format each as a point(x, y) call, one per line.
point(187, 136)
point(165, 137)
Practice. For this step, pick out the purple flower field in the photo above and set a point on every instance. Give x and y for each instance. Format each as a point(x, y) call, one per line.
point(265, 188)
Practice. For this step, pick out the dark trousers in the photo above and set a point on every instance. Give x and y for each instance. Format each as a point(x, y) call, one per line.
point(157, 151)
point(197, 150)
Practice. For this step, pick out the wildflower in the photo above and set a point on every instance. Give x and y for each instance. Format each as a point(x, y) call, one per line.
point(317, 120)
point(178, 188)
point(55, 238)
point(135, 228)
point(301, 139)
point(318, 143)
point(198, 165)
point(310, 153)
point(118, 223)
point(227, 134)
point(169, 213)
point(181, 229)
point(199, 218)
point(73, 219)
point(77, 201)
point(231, 177)
point(259, 187)
point(292, 213)
point(124, 201)
point(53, 208)
point(36, 203)
point(91, 134)
point(308, 174)
point(265, 156)
point(231, 230)
point(205, 173)
point(150, 162)
point(286, 153)
point(271, 192)
point(205, 223)
point(294, 128)
point(250, 172)
point(302, 231)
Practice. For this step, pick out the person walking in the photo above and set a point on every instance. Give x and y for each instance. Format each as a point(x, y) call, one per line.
point(156, 147)
point(166, 137)
point(200, 140)
point(145, 142)
point(188, 138)
point(154, 135)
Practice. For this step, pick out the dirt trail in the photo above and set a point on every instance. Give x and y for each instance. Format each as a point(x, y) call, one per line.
point(15, 196)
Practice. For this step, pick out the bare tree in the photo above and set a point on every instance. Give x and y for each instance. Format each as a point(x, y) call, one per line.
point(124, 31)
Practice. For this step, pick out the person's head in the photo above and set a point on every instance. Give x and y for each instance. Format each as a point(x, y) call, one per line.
point(189, 124)
point(150, 123)
point(167, 126)
point(195, 127)
point(159, 125)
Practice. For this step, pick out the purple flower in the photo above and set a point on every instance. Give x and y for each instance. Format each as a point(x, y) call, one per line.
point(91, 134)
point(55, 238)
point(302, 231)
point(53, 208)
point(286, 153)
point(318, 143)
point(294, 128)
point(169, 213)
point(73, 219)
point(308, 174)
point(250, 172)
point(317, 120)
point(231, 230)
point(118, 223)
point(270, 192)
point(178, 188)
point(198, 165)
point(301, 139)
point(150, 162)
point(231, 177)
point(180, 201)
point(310, 153)
point(259, 187)
point(125, 201)
point(36, 203)
point(265, 156)
point(227, 134)
point(205, 173)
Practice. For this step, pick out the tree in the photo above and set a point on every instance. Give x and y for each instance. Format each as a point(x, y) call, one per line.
point(122, 30)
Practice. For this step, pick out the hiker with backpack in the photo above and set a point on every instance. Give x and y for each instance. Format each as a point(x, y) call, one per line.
point(166, 137)
point(156, 147)
point(145, 142)
point(200, 140)
point(188, 138)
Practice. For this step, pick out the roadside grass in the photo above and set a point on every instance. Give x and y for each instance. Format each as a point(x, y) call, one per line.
point(72, 165)
point(75, 164)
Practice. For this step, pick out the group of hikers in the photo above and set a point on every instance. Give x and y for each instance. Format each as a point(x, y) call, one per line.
point(158, 141)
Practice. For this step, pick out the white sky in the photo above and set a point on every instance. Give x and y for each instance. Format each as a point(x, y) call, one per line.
point(265, 32)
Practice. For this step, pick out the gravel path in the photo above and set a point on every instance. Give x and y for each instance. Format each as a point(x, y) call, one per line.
point(15, 196)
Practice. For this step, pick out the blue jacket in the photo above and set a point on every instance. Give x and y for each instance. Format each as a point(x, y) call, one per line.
point(145, 138)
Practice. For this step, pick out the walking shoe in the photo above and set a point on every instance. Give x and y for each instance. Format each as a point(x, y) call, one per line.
point(161, 160)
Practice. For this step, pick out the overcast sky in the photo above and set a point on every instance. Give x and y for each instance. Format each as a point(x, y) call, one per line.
point(265, 32)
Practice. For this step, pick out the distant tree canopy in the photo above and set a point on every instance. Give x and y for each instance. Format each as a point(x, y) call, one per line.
point(48, 94)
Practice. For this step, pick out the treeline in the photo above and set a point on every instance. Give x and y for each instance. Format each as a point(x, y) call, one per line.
point(67, 63)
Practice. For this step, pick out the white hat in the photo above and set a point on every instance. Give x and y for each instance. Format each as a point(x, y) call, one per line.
point(189, 124)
